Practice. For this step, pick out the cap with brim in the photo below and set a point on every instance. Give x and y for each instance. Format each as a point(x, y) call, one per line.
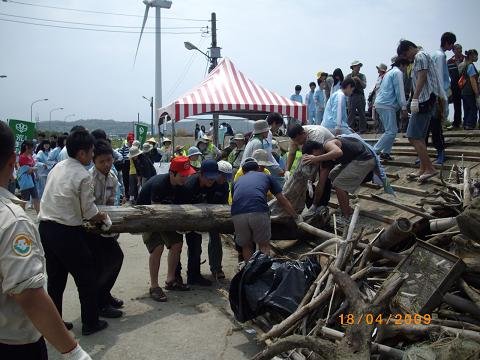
point(192, 151)
point(239, 137)
point(133, 152)
point(209, 169)
point(181, 165)
point(249, 166)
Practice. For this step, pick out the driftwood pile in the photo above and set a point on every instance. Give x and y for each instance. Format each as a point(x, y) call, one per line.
point(410, 292)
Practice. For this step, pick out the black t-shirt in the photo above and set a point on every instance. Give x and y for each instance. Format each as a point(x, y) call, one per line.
point(192, 193)
point(158, 190)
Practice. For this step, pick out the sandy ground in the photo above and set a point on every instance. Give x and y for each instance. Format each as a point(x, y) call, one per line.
point(191, 325)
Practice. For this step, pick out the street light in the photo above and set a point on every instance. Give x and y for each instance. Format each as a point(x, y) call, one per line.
point(31, 108)
point(190, 46)
point(50, 119)
point(151, 111)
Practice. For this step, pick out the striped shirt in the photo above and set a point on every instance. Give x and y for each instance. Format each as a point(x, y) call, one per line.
point(424, 61)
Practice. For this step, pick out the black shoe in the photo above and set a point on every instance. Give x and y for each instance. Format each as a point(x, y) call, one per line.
point(68, 325)
point(110, 312)
point(199, 280)
point(115, 302)
point(92, 329)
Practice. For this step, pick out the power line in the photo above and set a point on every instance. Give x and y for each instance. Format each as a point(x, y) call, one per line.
point(100, 25)
point(95, 12)
point(98, 30)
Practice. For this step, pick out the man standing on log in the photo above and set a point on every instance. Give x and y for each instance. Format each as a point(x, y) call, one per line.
point(164, 189)
point(199, 188)
point(250, 212)
point(350, 162)
point(299, 135)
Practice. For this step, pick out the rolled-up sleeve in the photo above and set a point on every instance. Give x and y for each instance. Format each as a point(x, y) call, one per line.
point(22, 264)
point(87, 198)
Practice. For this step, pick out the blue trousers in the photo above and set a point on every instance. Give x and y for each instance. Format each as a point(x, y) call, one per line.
point(319, 116)
point(388, 117)
point(311, 117)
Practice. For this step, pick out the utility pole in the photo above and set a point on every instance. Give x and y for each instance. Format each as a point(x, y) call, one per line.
point(152, 129)
point(214, 56)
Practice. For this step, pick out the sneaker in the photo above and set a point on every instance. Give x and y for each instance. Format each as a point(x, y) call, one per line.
point(110, 312)
point(115, 302)
point(199, 280)
point(92, 329)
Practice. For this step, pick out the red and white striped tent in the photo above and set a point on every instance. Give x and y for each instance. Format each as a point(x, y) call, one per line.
point(227, 90)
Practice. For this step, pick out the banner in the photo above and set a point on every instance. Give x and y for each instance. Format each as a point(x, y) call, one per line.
point(23, 130)
point(141, 133)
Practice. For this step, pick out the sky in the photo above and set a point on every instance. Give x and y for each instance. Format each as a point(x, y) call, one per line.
point(276, 43)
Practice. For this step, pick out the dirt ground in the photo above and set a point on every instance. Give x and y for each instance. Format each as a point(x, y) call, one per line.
point(191, 325)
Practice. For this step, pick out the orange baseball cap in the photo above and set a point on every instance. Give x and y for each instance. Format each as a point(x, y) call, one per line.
point(181, 165)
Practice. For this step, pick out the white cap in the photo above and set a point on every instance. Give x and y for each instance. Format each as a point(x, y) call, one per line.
point(225, 167)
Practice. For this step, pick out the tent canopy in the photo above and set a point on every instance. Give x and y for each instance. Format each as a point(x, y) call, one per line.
point(227, 90)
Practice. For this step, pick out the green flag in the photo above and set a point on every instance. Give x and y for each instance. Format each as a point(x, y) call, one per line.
point(23, 130)
point(141, 133)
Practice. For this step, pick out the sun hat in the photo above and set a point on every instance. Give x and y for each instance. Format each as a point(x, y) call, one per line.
point(209, 169)
point(192, 151)
point(261, 156)
point(239, 136)
point(225, 168)
point(147, 147)
point(133, 152)
point(382, 67)
point(355, 63)
point(179, 147)
point(260, 127)
point(152, 140)
point(181, 165)
point(166, 140)
point(136, 143)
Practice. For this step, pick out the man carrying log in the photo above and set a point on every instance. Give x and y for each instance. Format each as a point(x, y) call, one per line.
point(299, 135)
point(164, 189)
point(349, 161)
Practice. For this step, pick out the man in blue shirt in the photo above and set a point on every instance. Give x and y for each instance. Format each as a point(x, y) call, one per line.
point(310, 103)
point(335, 115)
point(297, 97)
point(250, 212)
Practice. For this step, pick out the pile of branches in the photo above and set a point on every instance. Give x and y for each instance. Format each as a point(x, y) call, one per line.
point(351, 312)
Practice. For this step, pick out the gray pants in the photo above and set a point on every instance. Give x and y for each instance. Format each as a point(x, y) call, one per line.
point(215, 252)
point(356, 104)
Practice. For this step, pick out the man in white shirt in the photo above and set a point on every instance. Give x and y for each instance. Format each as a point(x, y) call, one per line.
point(67, 201)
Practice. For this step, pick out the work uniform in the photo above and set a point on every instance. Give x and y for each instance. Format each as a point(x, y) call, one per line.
point(335, 115)
point(310, 103)
point(319, 99)
point(22, 267)
point(68, 200)
point(106, 251)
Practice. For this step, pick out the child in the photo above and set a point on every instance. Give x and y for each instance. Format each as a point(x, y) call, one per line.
point(107, 254)
point(67, 201)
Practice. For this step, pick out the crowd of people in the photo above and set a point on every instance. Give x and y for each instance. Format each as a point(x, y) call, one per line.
point(67, 177)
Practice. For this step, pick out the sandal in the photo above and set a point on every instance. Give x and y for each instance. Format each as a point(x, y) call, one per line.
point(413, 175)
point(157, 294)
point(176, 286)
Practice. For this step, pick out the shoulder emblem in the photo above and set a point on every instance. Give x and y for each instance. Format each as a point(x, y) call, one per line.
point(22, 245)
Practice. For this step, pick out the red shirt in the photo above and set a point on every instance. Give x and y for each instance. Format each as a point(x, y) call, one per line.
point(24, 159)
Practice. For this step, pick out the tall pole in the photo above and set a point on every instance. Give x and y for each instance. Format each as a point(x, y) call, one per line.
point(214, 54)
point(152, 129)
point(50, 118)
point(31, 107)
point(158, 61)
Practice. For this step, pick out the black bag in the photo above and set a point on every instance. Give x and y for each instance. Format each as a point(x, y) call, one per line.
point(427, 106)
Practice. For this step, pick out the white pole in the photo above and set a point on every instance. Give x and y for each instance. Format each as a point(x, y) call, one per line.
point(158, 61)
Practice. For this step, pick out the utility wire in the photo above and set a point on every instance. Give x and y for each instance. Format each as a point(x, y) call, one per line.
point(98, 30)
point(95, 12)
point(100, 25)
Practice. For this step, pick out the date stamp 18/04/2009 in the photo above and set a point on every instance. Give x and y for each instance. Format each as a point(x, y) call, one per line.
point(381, 319)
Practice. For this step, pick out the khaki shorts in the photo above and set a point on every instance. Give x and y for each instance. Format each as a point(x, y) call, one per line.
point(167, 238)
point(252, 227)
point(349, 177)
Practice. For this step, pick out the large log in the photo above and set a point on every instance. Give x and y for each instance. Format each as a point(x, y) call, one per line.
point(200, 217)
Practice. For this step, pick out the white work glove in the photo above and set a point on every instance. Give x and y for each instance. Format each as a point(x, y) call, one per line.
point(414, 107)
point(298, 219)
point(286, 175)
point(478, 102)
point(107, 223)
point(77, 354)
point(310, 188)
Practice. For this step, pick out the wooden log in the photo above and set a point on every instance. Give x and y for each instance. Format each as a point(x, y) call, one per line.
point(403, 207)
point(467, 196)
point(401, 189)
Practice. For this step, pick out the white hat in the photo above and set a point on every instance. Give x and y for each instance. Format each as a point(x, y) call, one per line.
point(260, 127)
point(239, 136)
point(146, 147)
point(225, 167)
point(166, 140)
point(355, 63)
point(134, 151)
point(193, 150)
point(136, 143)
point(262, 157)
point(204, 139)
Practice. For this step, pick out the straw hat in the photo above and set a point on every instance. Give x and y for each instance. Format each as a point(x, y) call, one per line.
point(147, 147)
point(152, 140)
point(166, 140)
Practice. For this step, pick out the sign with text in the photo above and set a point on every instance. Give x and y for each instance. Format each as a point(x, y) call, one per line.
point(22, 130)
point(141, 133)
